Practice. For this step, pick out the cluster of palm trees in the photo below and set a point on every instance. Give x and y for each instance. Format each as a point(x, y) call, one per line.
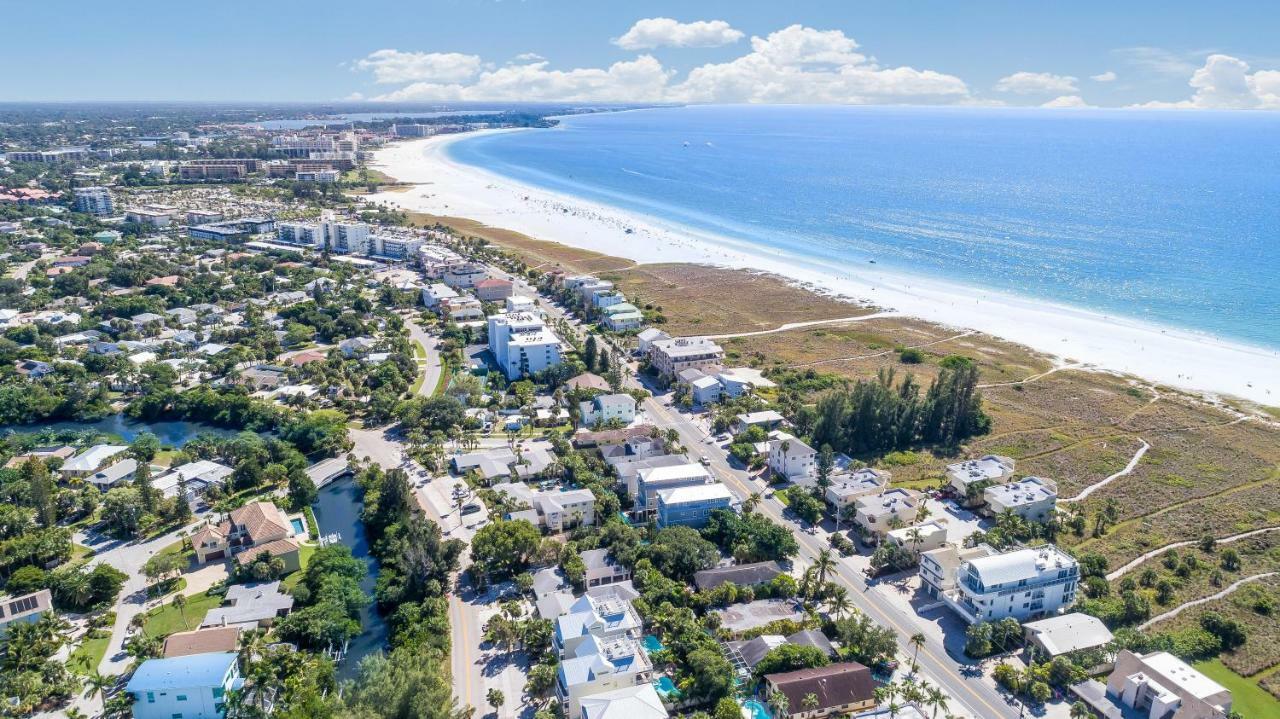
point(910, 691)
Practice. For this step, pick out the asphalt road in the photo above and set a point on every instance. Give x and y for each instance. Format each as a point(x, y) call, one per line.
point(977, 697)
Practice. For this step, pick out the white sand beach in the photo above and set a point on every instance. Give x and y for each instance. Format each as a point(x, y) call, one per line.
point(1176, 358)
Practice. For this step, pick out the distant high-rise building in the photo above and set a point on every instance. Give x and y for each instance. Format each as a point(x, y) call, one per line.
point(94, 201)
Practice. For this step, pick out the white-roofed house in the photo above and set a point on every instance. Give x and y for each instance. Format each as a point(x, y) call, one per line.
point(646, 338)
point(691, 506)
point(1162, 685)
point(792, 459)
point(984, 471)
point(878, 513)
point(638, 702)
point(655, 479)
point(847, 488)
point(111, 475)
point(1075, 635)
point(91, 460)
point(1031, 498)
point(606, 408)
point(919, 538)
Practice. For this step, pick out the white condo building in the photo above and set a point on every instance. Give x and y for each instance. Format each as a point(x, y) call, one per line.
point(1023, 584)
point(522, 344)
point(94, 201)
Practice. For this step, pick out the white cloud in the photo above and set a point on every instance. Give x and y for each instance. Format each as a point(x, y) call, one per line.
point(1107, 76)
point(1037, 83)
point(663, 31)
point(528, 57)
point(1067, 102)
point(793, 65)
point(640, 80)
point(393, 66)
point(1225, 83)
point(1157, 60)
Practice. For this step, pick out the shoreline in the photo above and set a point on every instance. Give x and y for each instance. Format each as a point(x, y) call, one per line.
point(1178, 358)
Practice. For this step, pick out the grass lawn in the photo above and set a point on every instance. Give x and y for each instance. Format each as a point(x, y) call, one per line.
point(419, 351)
point(304, 556)
point(1247, 697)
point(86, 657)
point(79, 551)
point(163, 621)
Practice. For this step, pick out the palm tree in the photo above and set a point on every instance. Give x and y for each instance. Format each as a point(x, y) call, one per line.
point(838, 602)
point(98, 684)
point(809, 702)
point(823, 564)
point(937, 699)
point(180, 601)
point(917, 641)
point(808, 582)
point(779, 702)
point(750, 503)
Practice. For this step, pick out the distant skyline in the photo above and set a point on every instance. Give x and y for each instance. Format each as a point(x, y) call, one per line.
point(985, 52)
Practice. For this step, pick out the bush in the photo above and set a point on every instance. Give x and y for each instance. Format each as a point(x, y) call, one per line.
point(909, 355)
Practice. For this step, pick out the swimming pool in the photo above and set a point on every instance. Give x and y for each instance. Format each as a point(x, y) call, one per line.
point(758, 709)
point(652, 644)
point(298, 526)
point(666, 687)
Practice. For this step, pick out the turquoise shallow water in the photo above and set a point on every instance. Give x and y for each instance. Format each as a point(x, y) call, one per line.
point(1167, 217)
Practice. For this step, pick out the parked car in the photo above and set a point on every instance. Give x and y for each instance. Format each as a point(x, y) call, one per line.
point(471, 508)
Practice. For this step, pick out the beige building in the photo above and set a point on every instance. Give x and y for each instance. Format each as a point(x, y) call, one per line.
point(841, 688)
point(673, 356)
point(879, 513)
point(1162, 686)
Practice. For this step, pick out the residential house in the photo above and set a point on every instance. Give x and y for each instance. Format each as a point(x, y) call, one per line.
point(91, 460)
point(742, 575)
point(356, 346)
point(201, 641)
point(1162, 686)
point(747, 654)
point(792, 459)
point(691, 506)
point(503, 462)
point(876, 514)
point(250, 606)
point(607, 408)
point(623, 317)
point(601, 665)
point(26, 608)
point(199, 476)
point(41, 453)
point(555, 510)
point(840, 688)
point(605, 614)
point(1032, 498)
point(656, 479)
point(287, 551)
point(183, 316)
point(113, 474)
point(602, 569)
point(636, 702)
point(1068, 635)
point(32, 369)
point(768, 420)
point(190, 687)
point(254, 524)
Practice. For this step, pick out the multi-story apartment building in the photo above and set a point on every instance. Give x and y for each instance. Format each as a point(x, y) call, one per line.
point(400, 249)
point(1031, 498)
point(673, 356)
point(522, 344)
point(1023, 584)
point(94, 201)
point(989, 469)
point(792, 459)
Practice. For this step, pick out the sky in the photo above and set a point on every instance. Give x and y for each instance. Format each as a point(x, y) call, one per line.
point(1084, 53)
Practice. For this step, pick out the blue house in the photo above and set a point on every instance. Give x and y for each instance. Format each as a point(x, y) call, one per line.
point(691, 506)
point(190, 687)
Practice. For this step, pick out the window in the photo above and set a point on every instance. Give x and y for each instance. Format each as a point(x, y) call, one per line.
point(151, 698)
point(182, 697)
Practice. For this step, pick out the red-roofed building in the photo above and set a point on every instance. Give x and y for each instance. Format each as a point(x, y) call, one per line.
point(492, 290)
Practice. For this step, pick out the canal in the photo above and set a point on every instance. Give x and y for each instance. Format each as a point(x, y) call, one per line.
point(337, 510)
point(170, 433)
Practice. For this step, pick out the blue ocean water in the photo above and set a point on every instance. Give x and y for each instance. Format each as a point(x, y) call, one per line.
point(1166, 217)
